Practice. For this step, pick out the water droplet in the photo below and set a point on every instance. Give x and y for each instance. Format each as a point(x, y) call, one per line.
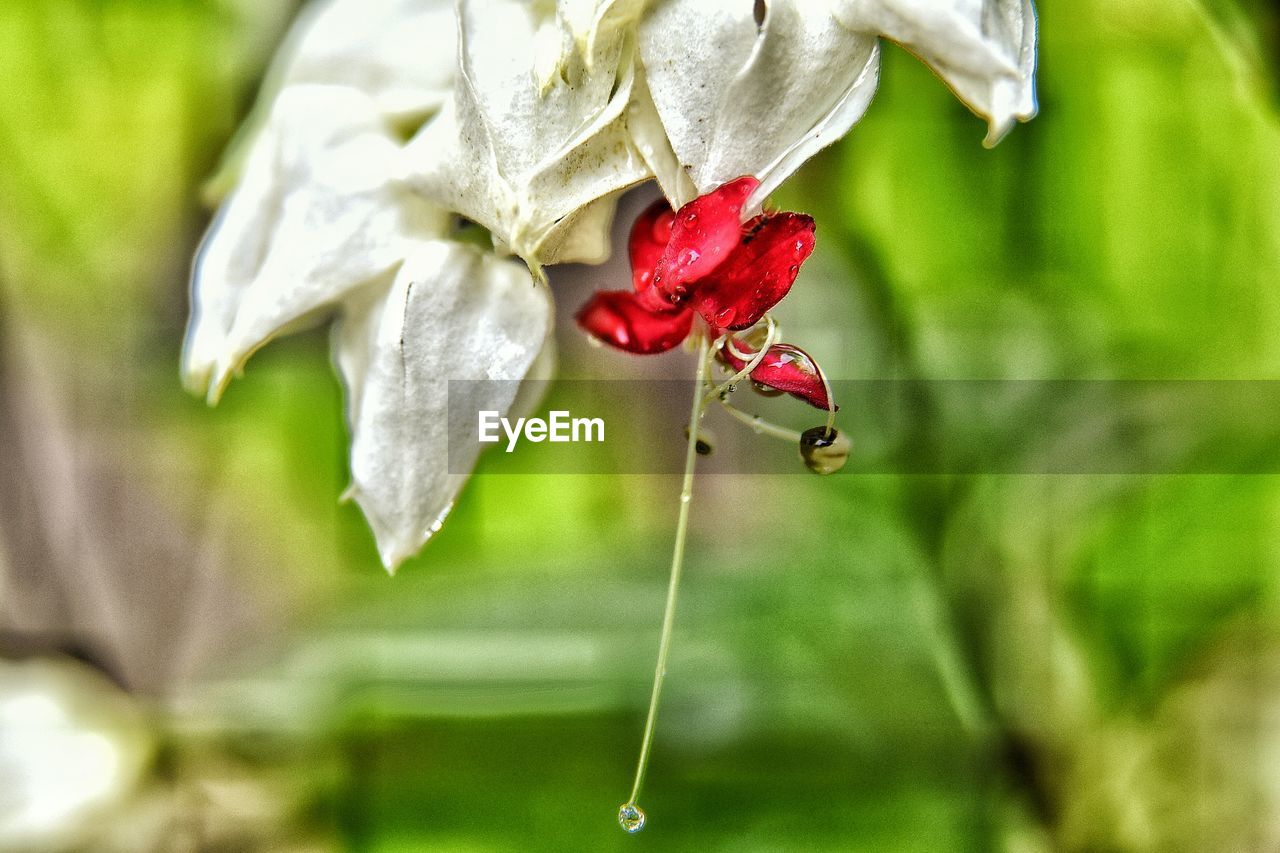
point(793, 269)
point(630, 818)
point(706, 442)
point(439, 522)
point(724, 317)
point(824, 451)
point(690, 218)
point(662, 227)
point(687, 256)
point(799, 248)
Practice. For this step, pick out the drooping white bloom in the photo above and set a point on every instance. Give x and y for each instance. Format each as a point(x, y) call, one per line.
point(789, 77)
point(528, 117)
point(984, 49)
point(323, 224)
point(400, 53)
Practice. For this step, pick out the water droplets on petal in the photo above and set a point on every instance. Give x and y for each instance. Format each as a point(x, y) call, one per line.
point(621, 319)
point(785, 368)
point(709, 223)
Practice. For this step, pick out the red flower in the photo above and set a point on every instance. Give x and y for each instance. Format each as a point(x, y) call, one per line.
point(703, 260)
point(785, 368)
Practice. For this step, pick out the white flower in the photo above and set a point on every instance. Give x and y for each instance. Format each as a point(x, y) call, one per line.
point(529, 118)
point(400, 53)
point(322, 223)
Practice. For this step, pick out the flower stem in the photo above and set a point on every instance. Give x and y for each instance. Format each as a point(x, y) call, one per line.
point(677, 564)
point(760, 425)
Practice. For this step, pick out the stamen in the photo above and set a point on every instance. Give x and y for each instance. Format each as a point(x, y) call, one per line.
point(760, 425)
point(831, 401)
point(630, 815)
point(770, 338)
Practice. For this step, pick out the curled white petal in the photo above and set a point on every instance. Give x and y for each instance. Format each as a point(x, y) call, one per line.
point(985, 50)
point(650, 138)
point(737, 97)
point(452, 313)
point(401, 53)
point(520, 154)
point(317, 214)
point(592, 23)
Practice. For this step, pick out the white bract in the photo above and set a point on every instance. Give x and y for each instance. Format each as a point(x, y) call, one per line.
point(739, 88)
point(532, 137)
point(322, 224)
point(529, 118)
point(451, 313)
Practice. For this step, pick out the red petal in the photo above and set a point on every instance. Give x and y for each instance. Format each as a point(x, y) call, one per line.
point(758, 273)
point(705, 231)
point(617, 318)
point(785, 368)
point(649, 237)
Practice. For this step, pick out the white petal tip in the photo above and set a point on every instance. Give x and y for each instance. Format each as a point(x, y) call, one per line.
point(205, 380)
point(994, 135)
point(395, 545)
point(394, 554)
point(195, 381)
point(998, 129)
point(218, 383)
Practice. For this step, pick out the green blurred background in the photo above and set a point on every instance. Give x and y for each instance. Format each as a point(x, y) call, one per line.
point(887, 663)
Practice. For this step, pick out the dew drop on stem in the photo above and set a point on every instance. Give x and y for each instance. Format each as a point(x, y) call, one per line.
point(630, 818)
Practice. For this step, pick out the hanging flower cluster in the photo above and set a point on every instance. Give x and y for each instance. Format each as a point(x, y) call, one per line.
point(389, 125)
point(702, 260)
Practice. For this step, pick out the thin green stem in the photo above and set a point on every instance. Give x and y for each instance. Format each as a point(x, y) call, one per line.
point(677, 564)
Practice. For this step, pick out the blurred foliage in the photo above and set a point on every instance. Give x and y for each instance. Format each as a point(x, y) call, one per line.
point(889, 663)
